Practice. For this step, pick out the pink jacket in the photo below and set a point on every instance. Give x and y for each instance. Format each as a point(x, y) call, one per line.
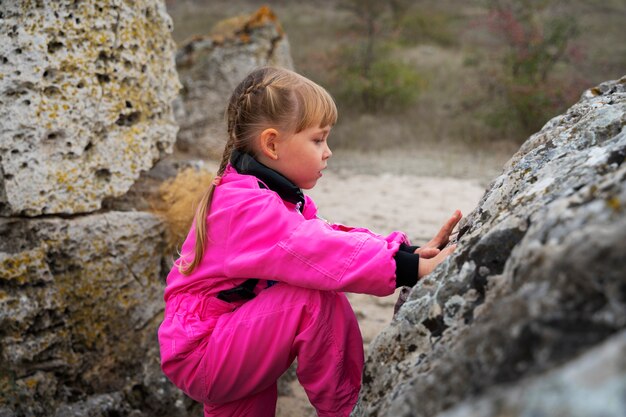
point(253, 233)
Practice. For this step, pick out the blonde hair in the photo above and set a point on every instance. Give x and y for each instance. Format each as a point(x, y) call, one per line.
point(267, 97)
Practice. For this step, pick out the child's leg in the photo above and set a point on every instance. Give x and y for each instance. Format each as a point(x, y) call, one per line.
point(330, 358)
point(262, 404)
point(251, 347)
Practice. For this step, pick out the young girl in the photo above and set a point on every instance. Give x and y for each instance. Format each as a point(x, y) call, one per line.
point(260, 279)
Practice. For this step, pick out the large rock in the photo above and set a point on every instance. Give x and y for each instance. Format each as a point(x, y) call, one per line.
point(592, 385)
point(85, 101)
point(80, 301)
point(85, 106)
point(210, 67)
point(538, 278)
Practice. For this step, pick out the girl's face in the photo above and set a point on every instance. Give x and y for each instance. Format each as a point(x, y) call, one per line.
point(303, 156)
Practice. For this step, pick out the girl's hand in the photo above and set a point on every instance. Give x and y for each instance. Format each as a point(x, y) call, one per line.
point(426, 265)
point(442, 238)
point(427, 253)
point(435, 251)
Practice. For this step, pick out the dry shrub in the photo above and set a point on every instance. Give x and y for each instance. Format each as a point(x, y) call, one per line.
point(177, 200)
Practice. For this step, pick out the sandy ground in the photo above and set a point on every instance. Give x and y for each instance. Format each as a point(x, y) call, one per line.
point(385, 193)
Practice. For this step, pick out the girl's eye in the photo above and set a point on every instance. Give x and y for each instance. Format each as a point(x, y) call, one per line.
point(318, 140)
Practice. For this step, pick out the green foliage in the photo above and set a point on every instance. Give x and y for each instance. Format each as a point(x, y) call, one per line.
point(366, 78)
point(420, 26)
point(534, 41)
point(517, 110)
point(533, 105)
point(388, 86)
point(531, 60)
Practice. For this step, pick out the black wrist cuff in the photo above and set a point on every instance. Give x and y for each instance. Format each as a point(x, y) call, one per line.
point(406, 248)
point(406, 268)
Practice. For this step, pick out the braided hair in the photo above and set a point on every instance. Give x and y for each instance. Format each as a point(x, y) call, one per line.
point(267, 97)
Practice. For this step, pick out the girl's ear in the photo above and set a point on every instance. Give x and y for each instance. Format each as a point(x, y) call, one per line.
point(269, 142)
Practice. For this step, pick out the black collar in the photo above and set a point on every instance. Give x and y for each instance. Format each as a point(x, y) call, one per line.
point(245, 164)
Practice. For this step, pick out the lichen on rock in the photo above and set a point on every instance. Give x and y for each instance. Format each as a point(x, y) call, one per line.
point(86, 91)
point(79, 304)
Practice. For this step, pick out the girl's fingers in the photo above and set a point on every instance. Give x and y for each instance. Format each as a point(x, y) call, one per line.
point(448, 250)
point(424, 268)
point(444, 233)
point(427, 253)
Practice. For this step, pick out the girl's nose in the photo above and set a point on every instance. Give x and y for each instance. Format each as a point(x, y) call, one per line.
point(328, 153)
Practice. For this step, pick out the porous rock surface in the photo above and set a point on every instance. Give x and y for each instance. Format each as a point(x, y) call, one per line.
point(80, 301)
point(86, 91)
point(211, 66)
point(527, 317)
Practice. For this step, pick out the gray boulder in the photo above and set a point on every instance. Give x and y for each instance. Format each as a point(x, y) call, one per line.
point(85, 105)
point(80, 301)
point(538, 279)
point(86, 93)
point(592, 385)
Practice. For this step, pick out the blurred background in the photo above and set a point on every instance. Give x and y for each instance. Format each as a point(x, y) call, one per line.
point(107, 144)
point(469, 76)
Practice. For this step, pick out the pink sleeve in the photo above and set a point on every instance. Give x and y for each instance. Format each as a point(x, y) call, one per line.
point(268, 241)
point(393, 236)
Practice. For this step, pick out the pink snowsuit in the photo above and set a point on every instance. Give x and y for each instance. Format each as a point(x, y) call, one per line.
point(229, 356)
